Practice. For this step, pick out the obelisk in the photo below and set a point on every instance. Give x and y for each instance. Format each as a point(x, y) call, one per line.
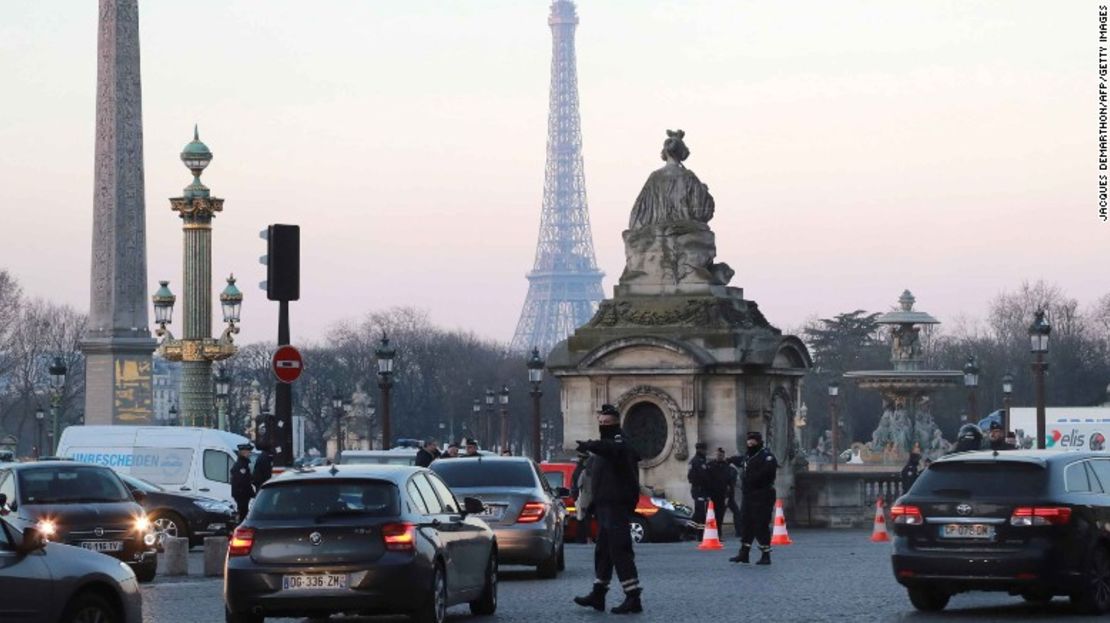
point(118, 344)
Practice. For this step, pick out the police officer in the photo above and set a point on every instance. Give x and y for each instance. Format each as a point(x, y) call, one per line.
point(910, 472)
point(969, 438)
point(757, 491)
point(997, 437)
point(698, 477)
point(263, 468)
point(615, 484)
point(242, 489)
point(720, 472)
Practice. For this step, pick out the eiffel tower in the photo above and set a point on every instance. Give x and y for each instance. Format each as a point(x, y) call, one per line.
point(564, 286)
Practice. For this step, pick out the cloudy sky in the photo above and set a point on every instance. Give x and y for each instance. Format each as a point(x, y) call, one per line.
point(855, 148)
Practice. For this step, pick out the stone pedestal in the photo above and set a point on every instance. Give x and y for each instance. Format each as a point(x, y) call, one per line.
point(215, 551)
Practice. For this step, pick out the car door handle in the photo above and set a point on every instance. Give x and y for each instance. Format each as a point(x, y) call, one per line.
point(204, 489)
point(184, 489)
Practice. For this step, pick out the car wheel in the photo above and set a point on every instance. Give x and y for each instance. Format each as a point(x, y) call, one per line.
point(562, 564)
point(928, 599)
point(434, 610)
point(242, 617)
point(145, 571)
point(639, 530)
point(90, 608)
point(1095, 596)
point(549, 568)
point(487, 603)
point(168, 524)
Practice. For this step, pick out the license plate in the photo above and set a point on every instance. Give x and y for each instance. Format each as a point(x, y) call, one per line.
point(103, 546)
point(967, 531)
point(493, 511)
point(315, 582)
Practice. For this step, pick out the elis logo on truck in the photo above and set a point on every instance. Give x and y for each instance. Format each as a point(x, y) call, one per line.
point(1075, 440)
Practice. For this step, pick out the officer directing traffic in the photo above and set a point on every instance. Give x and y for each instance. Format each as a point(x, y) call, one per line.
point(242, 489)
point(615, 489)
point(757, 492)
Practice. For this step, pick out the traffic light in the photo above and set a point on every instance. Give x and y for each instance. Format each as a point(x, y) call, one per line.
point(283, 262)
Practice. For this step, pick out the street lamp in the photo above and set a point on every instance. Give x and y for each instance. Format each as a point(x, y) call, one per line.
point(173, 415)
point(337, 409)
point(1038, 341)
point(197, 349)
point(1007, 392)
point(475, 425)
point(39, 417)
point(223, 389)
point(385, 354)
point(971, 382)
point(834, 392)
point(491, 397)
point(535, 377)
point(57, 372)
point(503, 398)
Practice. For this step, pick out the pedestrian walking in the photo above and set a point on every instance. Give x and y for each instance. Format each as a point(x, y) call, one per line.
point(719, 471)
point(698, 477)
point(910, 472)
point(263, 468)
point(242, 489)
point(615, 484)
point(757, 490)
point(427, 454)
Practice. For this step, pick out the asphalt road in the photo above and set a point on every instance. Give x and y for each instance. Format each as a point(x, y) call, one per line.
point(825, 576)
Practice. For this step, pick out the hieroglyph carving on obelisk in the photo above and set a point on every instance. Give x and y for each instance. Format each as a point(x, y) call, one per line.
point(118, 344)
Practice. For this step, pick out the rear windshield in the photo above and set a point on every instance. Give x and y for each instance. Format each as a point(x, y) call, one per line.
point(326, 498)
point(377, 460)
point(466, 473)
point(70, 485)
point(981, 480)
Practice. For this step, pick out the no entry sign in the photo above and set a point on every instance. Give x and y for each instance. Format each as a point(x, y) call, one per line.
point(287, 364)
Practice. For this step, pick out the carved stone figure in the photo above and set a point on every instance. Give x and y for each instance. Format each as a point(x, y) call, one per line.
point(672, 193)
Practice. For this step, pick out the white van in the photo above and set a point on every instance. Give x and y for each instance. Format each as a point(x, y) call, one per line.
point(193, 460)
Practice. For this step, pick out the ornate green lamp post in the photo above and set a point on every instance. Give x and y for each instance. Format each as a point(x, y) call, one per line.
point(971, 382)
point(385, 354)
point(58, 384)
point(535, 378)
point(1038, 341)
point(223, 389)
point(196, 349)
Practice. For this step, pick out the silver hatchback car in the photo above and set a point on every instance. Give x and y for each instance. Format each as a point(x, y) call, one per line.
point(525, 512)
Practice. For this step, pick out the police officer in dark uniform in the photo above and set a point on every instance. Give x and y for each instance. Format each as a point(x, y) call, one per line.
point(698, 477)
point(970, 438)
point(263, 467)
point(242, 489)
point(757, 491)
point(720, 472)
point(615, 488)
point(997, 437)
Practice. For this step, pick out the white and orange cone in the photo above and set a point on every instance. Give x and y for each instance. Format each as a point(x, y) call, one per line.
point(780, 536)
point(709, 538)
point(879, 533)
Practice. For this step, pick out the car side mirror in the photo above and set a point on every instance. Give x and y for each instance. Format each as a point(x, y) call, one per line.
point(562, 492)
point(473, 506)
point(32, 541)
point(138, 495)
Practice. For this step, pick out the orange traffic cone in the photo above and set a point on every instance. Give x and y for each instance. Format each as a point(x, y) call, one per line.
point(780, 536)
point(879, 533)
point(709, 538)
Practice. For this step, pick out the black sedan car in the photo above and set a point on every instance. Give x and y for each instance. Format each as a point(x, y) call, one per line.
point(1031, 523)
point(45, 582)
point(83, 505)
point(360, 539)
point(181, 515)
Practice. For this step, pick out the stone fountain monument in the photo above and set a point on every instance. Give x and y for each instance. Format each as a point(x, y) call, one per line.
point(907, 422)
point(682, 355)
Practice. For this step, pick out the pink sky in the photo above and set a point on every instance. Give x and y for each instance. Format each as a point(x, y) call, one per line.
point(854, 148)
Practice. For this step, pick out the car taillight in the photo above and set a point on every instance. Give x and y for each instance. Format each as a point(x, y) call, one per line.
point(242, 540)
point(646, 511)
point(532, 512)
point(399, 537)
point(906, 515)
point(1040, 516)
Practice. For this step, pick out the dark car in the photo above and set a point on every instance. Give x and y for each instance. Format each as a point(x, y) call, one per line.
point(49, 582)
point(83, 505)
point(360, 539)
point(1031, 523)
point(181, 515)
point(524, 511)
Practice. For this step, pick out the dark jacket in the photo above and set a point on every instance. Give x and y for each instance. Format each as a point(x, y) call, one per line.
point(614, 471)
point(1001, 444)
point(698, 476)
point(263, 470)
point(241, 486)
point(909, 475)
point(758, 470)
point(720, 472)
point(425, 458)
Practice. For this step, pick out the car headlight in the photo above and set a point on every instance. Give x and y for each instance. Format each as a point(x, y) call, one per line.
point(47, 528)
point(142, 524)
point(662, 503)
point(212, 506)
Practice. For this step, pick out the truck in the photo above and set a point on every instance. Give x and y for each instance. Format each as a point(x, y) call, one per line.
point(1066, 428)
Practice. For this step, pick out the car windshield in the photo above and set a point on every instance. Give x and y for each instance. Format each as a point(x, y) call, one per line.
point(469, 473)
point(319, 499)
point(555, 479)
point(140, 484)
point(70, 485)
point(966, 479)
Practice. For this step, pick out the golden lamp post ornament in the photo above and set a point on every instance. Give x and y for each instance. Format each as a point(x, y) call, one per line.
point(197, 349)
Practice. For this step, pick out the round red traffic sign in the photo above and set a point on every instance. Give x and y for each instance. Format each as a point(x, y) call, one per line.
point(287, 364)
